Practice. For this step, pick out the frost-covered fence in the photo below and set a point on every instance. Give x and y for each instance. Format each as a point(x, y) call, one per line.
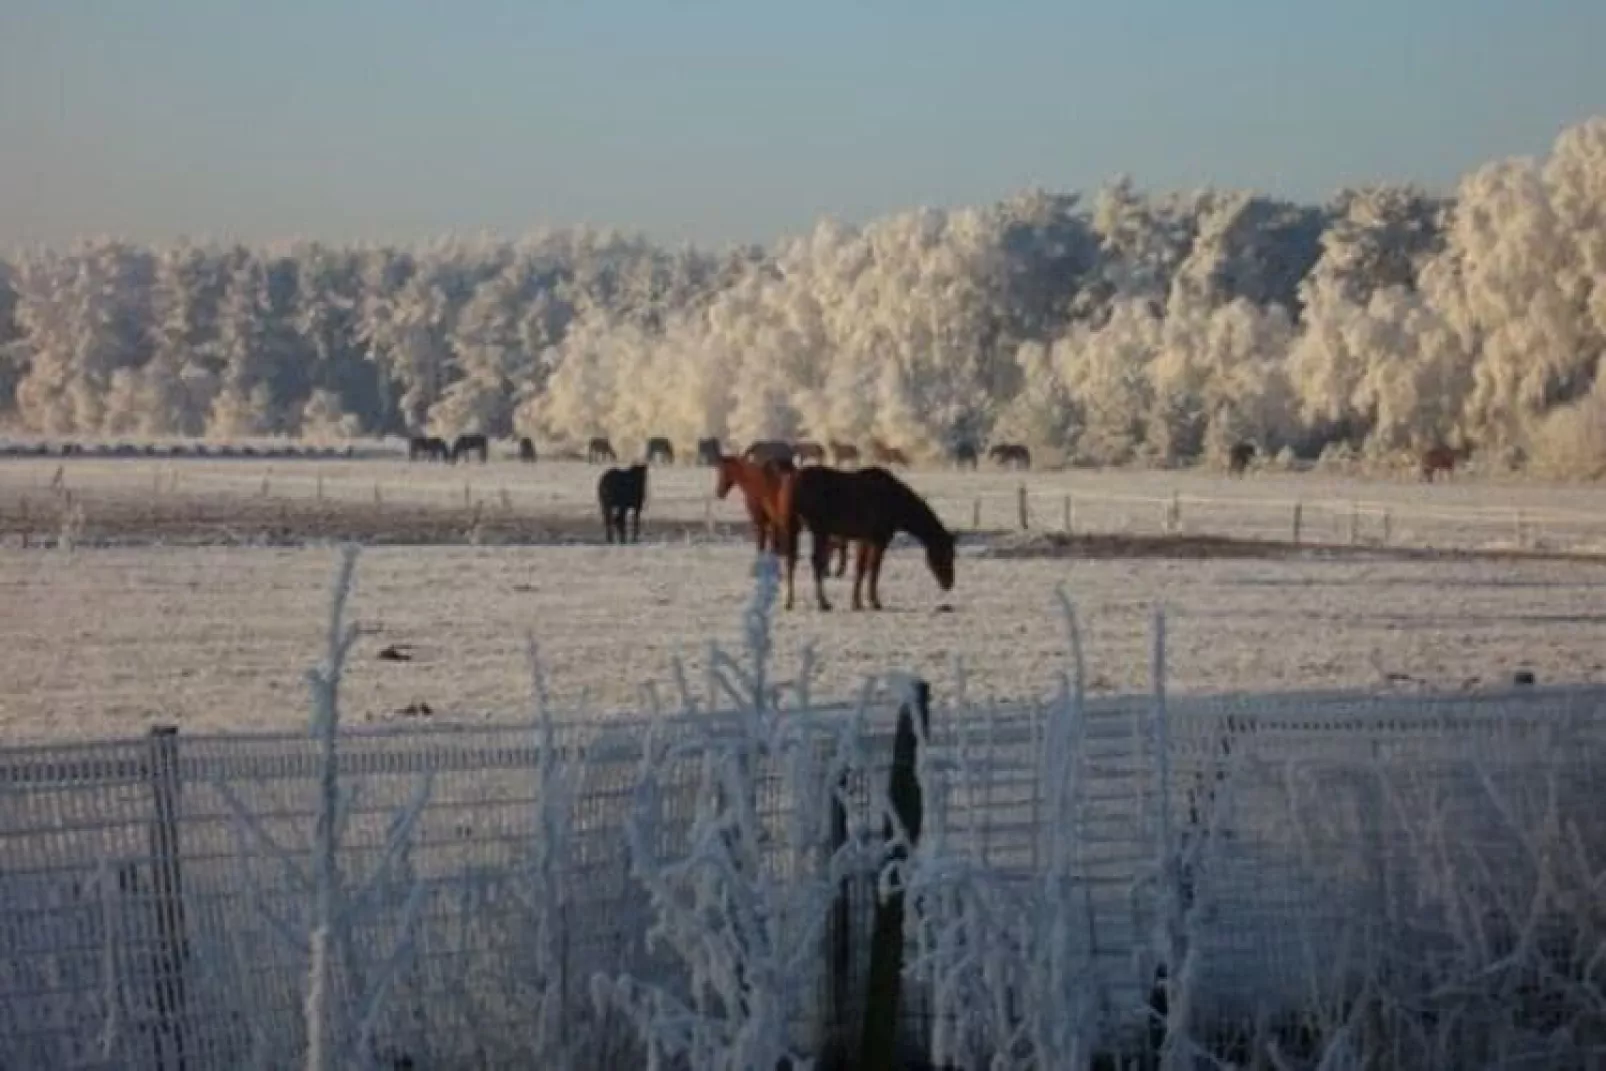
point(425, 502)
point(1267, 878)
point(1415, 872)
point(1315, 520)
point(154, 894)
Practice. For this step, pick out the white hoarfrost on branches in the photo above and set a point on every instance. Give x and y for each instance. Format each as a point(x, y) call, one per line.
point(1157, 328)
point(740, 896)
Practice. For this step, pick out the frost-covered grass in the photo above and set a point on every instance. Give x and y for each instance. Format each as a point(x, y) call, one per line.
point(107, 641)
point(144, 499)
point(1337, 882)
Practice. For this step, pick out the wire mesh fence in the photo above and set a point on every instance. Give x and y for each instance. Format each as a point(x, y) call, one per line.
point(1245, 872)
point(155, 895)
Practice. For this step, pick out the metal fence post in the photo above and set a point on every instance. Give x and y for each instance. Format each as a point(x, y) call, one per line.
point(167, 894)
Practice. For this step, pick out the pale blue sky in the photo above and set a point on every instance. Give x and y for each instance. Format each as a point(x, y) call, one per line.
point(720, 122)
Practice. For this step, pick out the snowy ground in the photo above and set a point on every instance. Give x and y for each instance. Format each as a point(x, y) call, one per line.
point(107, 641)
point(386, 499)
point(196, 590)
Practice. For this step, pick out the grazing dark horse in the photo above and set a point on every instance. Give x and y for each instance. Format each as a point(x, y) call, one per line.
point(808, 450)
point(844, 453)
point(621, 492)
point(708, 451)
point(600, 449)
point(660, 449)
point(1440, 458)
point(427, 446)
point(471, 444)
point(964, 454)
point(526, 449)
point(1013, 454)
point(761, 490)
point(769, 450)
point(1239, 457)
point(867, 506)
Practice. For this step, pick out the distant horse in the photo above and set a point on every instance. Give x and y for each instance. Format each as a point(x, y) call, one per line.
point(600, 449)
point(843, 453)
point(526, 450)
point(807, 450)
point(621, 492)
point(761, 490)
point(708, 451)
point(660, 449)
point(470, 444)
point(1239, 457)
point(1440, 458)
point(882, 454)
point(763, 450)
point(868, 506)
point(964, 454)
point(1012, 454)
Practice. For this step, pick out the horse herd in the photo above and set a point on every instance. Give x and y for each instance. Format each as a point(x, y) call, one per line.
point(863, 507)
point(659, 450)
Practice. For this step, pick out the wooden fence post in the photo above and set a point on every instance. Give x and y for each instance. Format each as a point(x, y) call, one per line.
point(171, 949)
point(879, 1040)
point(1354, 523)
point(1299, 510)
point(1025, 513)
point(1067, 514)
point(1386, 526)
point(975, 515)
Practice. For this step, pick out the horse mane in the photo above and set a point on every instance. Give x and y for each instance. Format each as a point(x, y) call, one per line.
point(922, 521)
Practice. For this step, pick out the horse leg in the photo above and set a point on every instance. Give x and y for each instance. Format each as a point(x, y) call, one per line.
point(861, 566)
point(877, 551)
point(788, 546)
point(821, 560)
point(635, 525)
point(841, 557)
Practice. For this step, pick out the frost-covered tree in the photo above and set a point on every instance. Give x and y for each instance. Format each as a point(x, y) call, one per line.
point(1144, 326)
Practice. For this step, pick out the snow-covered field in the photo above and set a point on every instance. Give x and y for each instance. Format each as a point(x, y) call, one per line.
point(108, 641)
point(181, 498)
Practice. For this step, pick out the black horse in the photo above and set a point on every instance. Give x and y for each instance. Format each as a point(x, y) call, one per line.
point(964, 454)
point(621, 492)
point(470, 444)
point(1011, 454)
point(526, 450)
point(660, 449)
point(427, 446)
point(1238, 459)
point(708, 451)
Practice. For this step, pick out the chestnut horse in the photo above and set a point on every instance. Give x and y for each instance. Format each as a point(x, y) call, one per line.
point(868, 506)
point(761, 488)
point(1439, 459)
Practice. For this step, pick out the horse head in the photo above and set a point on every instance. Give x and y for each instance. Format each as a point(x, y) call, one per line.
point(727, 476)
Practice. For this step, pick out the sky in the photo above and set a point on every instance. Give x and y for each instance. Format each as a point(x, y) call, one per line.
point(716, 122)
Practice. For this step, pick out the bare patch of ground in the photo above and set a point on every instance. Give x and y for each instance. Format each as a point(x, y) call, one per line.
point(1195, 546)
point(217, 520)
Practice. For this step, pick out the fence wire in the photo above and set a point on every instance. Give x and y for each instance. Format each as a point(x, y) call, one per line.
point(1329, 849)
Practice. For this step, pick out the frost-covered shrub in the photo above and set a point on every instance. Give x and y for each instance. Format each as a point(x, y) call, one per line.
point(742, 900)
